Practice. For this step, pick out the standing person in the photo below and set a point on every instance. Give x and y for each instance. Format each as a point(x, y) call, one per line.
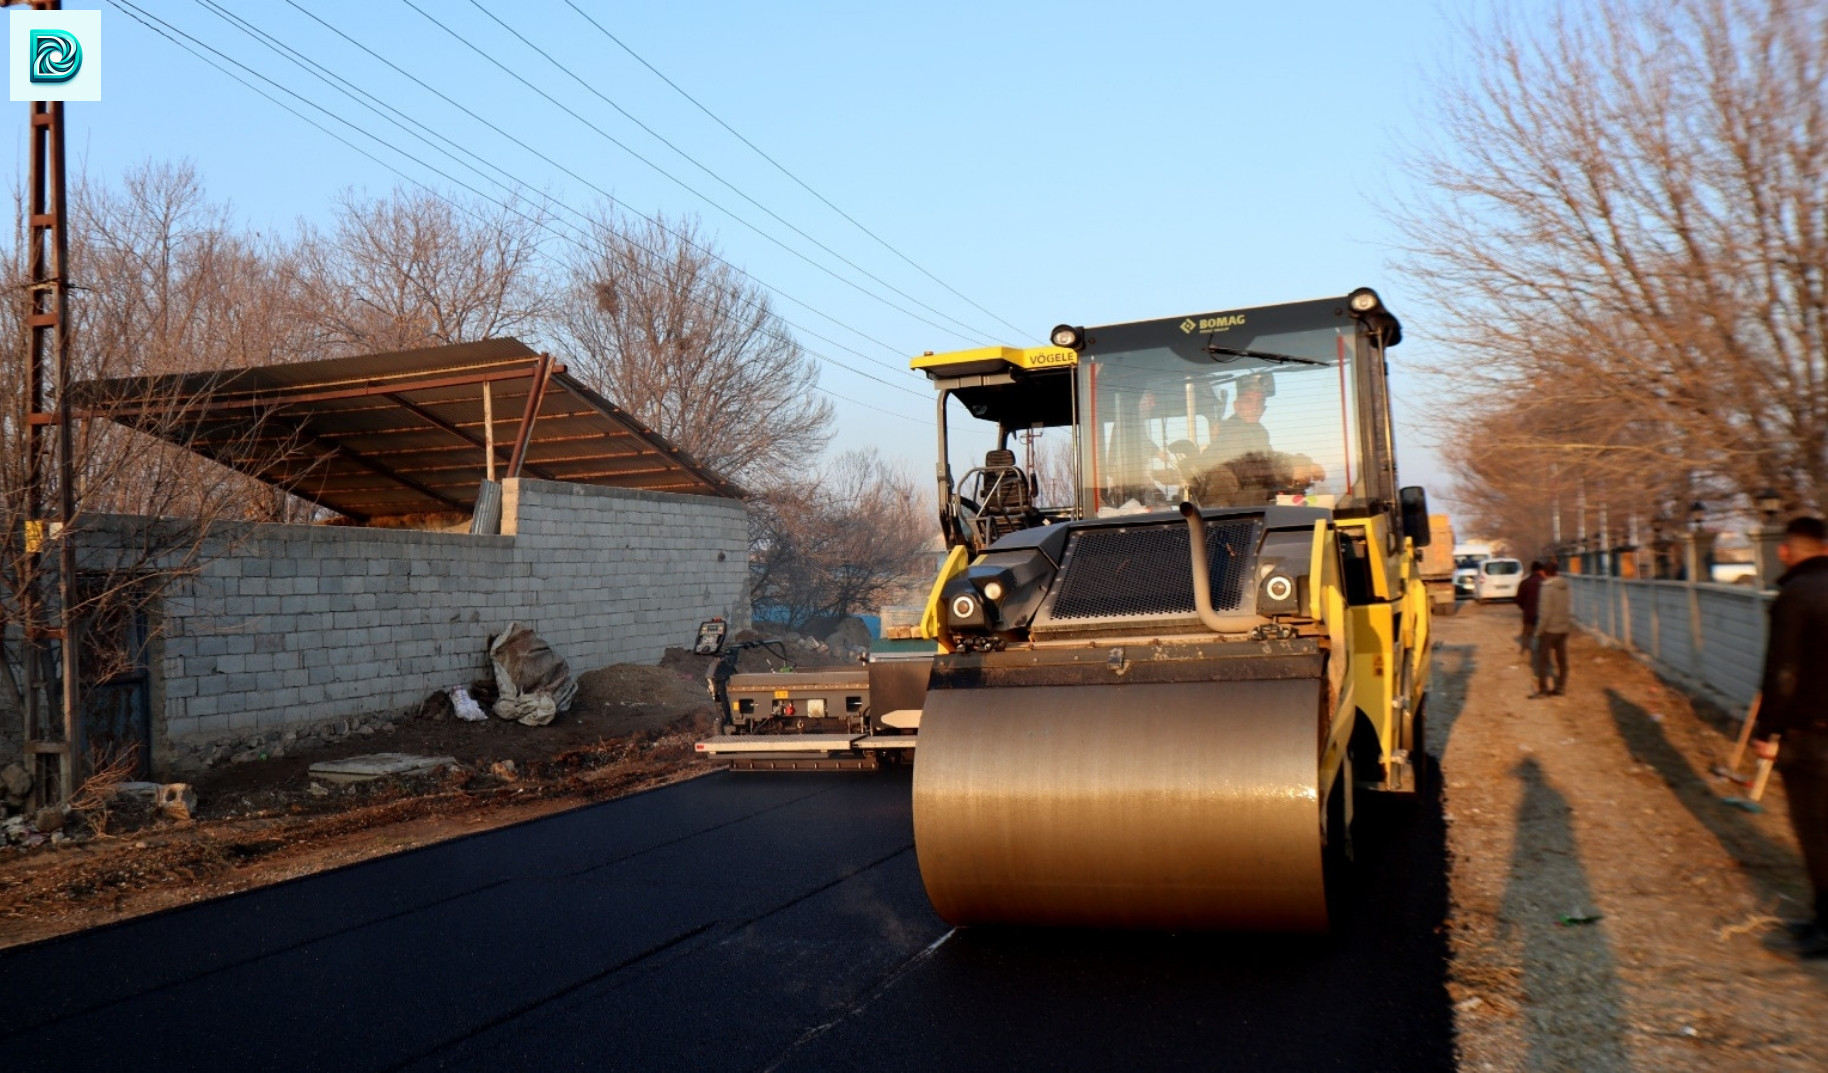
point(1527, 592)
point(1554, 621)
point(1795, 708)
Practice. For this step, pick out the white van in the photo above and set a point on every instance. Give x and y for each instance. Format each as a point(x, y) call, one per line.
point(1498, 580)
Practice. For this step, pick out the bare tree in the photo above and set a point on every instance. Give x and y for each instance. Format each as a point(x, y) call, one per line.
point(839, 543)
point(162, 282)
point(418, 269)
point(1053, 466)
point(658, 324)
point(1626, 228)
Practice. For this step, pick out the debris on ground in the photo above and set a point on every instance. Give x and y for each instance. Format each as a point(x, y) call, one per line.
point(371, 766)
point(534, 682)
point(15, 784)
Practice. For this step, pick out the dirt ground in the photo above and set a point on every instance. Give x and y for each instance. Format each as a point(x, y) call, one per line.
point(1600, 806)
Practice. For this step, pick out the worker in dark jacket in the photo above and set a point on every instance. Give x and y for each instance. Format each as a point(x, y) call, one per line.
point(1529, 592)
point(1795, 709)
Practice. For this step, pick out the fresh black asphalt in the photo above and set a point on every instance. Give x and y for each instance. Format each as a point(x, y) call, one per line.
point(732, 922)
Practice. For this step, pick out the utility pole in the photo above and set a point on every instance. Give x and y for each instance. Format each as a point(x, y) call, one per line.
point(45, 620)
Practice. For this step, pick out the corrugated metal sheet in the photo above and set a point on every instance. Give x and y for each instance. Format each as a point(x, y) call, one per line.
point(401, 433)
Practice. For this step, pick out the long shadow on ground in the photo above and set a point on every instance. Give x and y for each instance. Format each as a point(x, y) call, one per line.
point(1771, 865)
point(1447, 685)
point(1570, 977)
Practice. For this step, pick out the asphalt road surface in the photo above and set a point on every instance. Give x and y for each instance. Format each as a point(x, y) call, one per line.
point(733, 922)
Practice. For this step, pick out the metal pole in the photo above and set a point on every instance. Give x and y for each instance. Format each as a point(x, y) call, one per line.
point(37, 405)
point(1555, 516)
point(47, 323)
point(1691, 565)
point(49, 344)
point(67, 591)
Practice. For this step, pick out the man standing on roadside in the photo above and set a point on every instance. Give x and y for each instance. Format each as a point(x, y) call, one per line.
point(1795, 708)
point(1527, 593)
point(1554, 621)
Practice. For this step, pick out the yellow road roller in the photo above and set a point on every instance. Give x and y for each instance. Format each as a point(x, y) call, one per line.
point(1159, 687)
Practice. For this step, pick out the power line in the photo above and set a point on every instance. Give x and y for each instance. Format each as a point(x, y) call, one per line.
point(681, 183)
point(167, 31)
point(782, 168)
point(662, 139)
point(606, 195)
point(513, 184)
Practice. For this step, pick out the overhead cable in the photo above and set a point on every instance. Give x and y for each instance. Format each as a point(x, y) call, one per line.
point(512, 183)
point(782, 168)
point(605, 194)
point(681, 183)
point(733, 188)
point(172, 33)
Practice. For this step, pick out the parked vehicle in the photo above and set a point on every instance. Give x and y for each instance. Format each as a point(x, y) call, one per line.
point(1438, 564)
point(1497, 580)
point(1466, 569)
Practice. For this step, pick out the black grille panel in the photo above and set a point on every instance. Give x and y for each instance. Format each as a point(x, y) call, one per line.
point(1143, 571)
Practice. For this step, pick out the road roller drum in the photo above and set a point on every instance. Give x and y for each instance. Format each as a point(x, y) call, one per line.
point(1168, 806)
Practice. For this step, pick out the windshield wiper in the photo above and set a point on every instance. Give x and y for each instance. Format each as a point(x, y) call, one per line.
point(1234, 352)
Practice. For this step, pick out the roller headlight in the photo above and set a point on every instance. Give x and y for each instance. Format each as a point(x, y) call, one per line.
point(1363, 300)
point(993, 591)
point(1068, 336)
point(964, 608)
point(1279, 593)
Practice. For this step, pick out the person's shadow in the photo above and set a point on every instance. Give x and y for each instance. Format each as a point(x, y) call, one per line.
point(1574, 1006)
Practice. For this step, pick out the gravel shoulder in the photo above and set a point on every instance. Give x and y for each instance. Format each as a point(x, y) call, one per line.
point(1601, 806)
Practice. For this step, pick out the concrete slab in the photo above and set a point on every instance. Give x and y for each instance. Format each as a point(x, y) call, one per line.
point(377, 765)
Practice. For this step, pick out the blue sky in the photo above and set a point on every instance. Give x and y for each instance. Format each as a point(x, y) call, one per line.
point(1053, 162)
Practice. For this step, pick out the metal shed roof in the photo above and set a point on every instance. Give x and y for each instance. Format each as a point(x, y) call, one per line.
point(404, 432)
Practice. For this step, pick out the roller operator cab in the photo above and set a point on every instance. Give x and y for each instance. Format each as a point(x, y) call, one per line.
point(1156, 695)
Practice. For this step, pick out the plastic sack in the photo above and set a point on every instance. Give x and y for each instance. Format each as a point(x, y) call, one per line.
point(535, 683)
point(465, 705)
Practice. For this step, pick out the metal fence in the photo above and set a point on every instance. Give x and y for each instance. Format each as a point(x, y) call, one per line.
point(1708, 637)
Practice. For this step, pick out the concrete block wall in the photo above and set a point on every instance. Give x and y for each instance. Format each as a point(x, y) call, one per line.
point(301, 624)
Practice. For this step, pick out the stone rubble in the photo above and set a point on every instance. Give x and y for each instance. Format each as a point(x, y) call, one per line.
point(199, 753)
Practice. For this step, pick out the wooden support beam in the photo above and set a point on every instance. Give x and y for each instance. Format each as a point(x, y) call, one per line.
point(457, 431)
